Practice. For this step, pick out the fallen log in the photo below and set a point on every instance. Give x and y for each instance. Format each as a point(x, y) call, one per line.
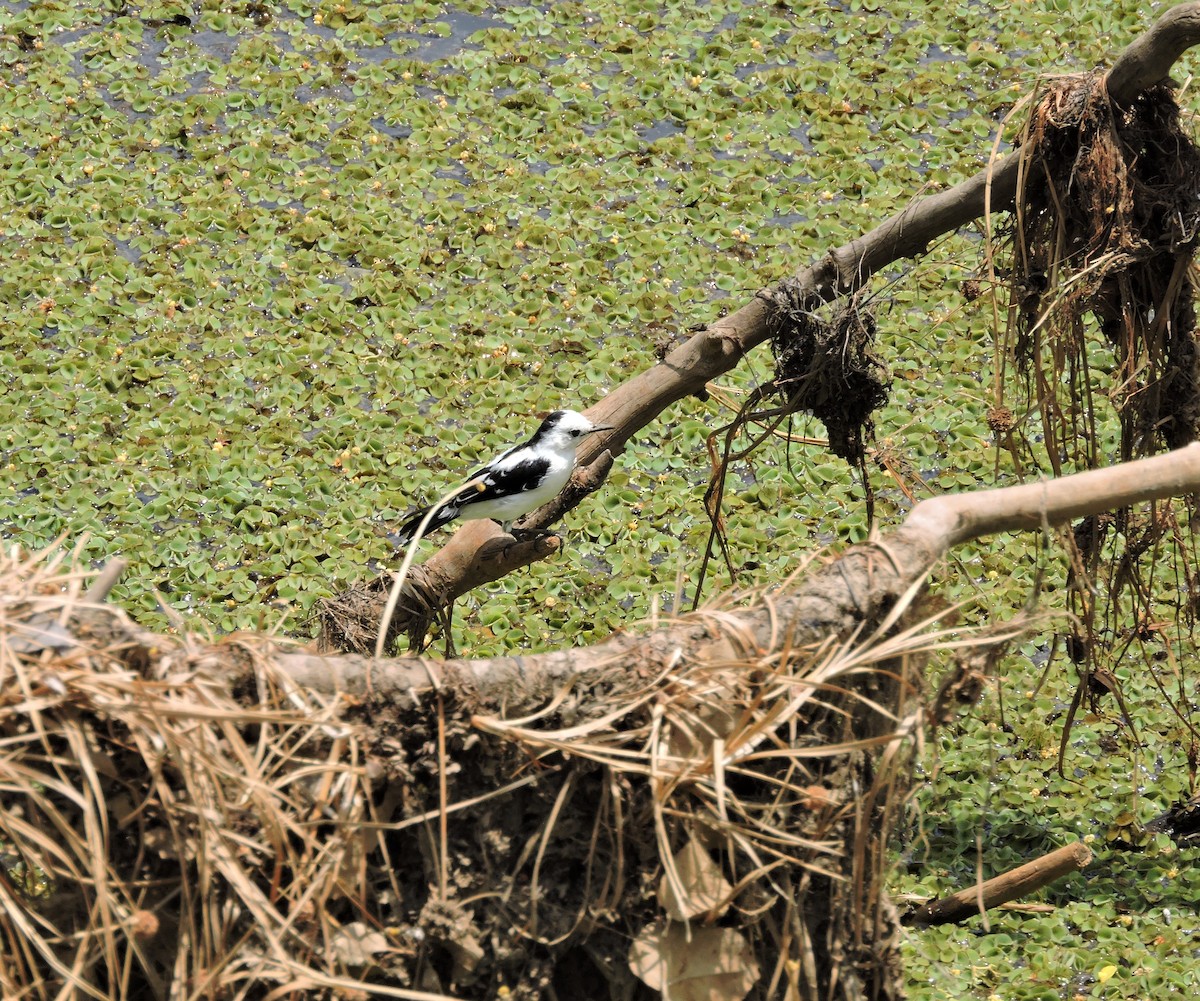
point(834, 600)
point(777, 734)
point(1015, 883)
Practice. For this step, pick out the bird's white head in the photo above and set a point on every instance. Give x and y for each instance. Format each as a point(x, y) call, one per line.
point(563, 430)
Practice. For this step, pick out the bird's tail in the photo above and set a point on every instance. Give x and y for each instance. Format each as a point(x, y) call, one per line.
point(404, 535)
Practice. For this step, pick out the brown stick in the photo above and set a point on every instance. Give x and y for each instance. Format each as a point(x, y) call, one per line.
point(1015, 883)
point(106, 580)
point(855, 588)
point(830, 601)
point(957, 518)
point(722, 345)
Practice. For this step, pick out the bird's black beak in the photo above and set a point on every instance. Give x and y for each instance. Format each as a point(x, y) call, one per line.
point(602, 427)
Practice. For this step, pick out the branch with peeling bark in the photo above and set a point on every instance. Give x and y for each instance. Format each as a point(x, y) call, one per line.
point(467, 561)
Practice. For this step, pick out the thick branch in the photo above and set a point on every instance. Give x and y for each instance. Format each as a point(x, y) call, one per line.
point(1015, 883)
point(478, 553)
point(721, 346)
point(960, 517)
point(857, 587)
point(1149, 60)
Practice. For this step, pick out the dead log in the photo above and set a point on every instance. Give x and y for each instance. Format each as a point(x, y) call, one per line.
point(835, 600)
point(401, 763)
point(1015, 883)
point(843, 923)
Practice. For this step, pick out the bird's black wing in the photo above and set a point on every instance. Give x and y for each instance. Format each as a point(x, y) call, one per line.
point(504, 479)
point(446, 514)
point(496, 480)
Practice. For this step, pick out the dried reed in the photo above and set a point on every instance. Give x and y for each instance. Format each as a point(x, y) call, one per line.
point(165, 834)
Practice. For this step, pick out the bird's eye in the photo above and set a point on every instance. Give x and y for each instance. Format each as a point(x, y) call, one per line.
point(575, 433)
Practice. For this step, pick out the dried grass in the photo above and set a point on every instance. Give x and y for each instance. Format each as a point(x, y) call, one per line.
point(162, 836)
point(159, 837)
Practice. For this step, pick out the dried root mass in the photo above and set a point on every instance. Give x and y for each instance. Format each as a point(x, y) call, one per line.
point(1107, 221)
point(831, 369)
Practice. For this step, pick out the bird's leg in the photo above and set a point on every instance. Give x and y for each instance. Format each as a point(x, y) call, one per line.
point(529, 534)
point(446, 614)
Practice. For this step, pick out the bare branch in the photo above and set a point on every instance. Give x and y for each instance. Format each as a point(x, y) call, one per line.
point(720, 346)
point(1018, 882)
point(855, 588)
point(1149, 59)
point(956, 518)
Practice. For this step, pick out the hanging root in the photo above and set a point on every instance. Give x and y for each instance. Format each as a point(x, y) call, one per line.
point(1107, 223)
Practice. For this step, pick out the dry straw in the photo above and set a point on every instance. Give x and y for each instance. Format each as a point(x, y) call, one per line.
point(161, 838)
point(178, 821)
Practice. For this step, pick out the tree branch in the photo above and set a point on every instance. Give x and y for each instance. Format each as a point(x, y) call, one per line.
point(857, 587)
point(720, 346)
point(1149, 59)
point(1018, 882)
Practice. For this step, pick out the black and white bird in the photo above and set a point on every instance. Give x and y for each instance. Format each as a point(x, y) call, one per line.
point(519, 480)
